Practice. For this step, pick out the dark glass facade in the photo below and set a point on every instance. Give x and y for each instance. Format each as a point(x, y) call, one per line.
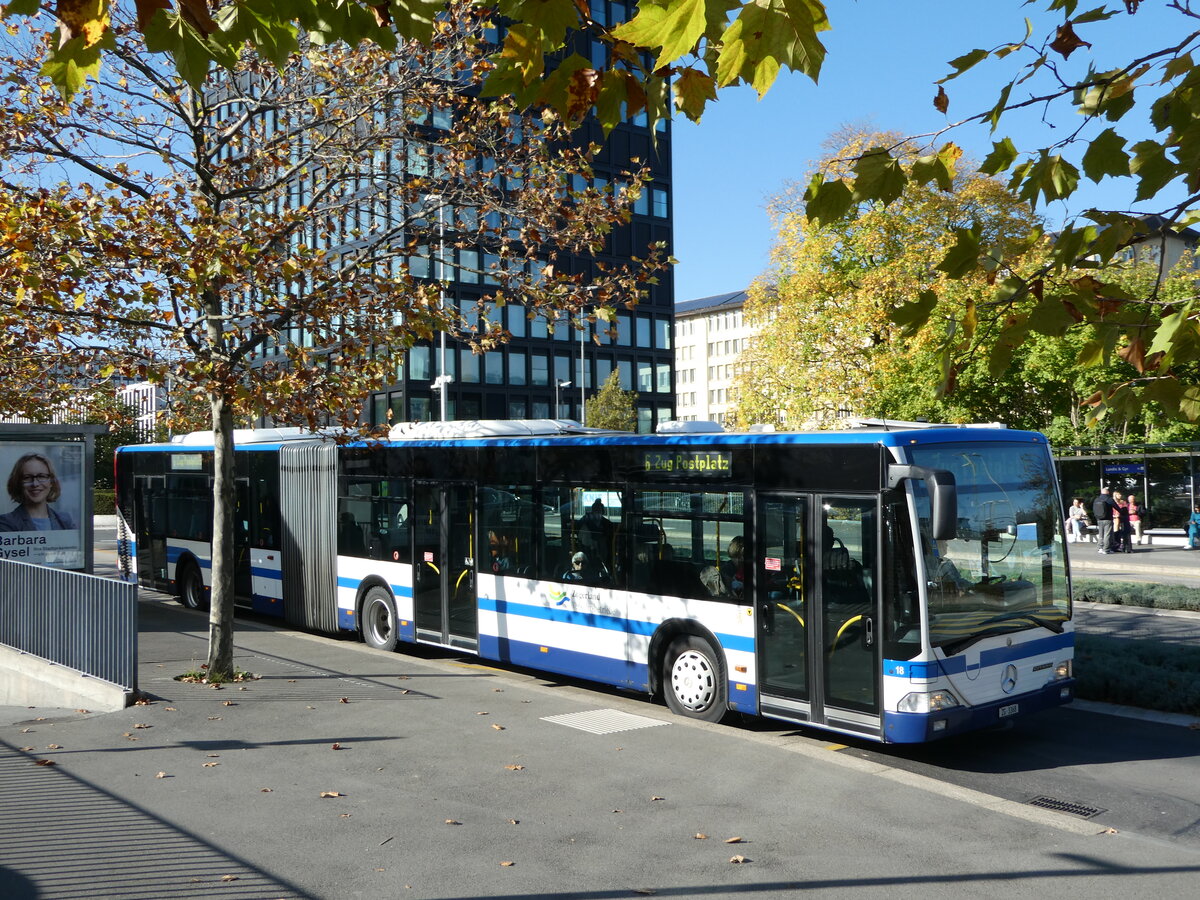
point(549, 368)
point(1165, 478)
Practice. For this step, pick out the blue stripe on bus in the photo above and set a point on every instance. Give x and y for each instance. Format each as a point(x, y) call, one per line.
point(604, 669)
point(998, 656)
point(596, 620)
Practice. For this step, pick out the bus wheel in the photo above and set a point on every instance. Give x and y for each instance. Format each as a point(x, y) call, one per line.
point(190, 585)
point(378, 620)
point(692, 681)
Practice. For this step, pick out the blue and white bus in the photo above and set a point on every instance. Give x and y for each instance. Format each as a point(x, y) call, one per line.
point(892, 583)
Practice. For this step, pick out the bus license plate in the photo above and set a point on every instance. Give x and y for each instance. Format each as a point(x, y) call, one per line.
point(1010, 710)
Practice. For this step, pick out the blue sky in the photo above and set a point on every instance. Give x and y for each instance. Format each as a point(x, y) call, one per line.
point(884, 56)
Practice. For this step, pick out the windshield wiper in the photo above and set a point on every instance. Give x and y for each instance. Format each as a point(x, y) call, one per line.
point(963, 643)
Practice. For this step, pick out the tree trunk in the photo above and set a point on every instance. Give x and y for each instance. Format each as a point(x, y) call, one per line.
point(220, 617)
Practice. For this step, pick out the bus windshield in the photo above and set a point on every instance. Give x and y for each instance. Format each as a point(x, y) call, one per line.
point(1005, 569)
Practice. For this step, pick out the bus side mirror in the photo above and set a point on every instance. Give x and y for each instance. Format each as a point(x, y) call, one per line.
point(943, 497)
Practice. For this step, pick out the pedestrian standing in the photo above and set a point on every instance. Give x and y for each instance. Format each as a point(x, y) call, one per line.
point(1121, 527)
point(1103, 510)
point(1137, 518)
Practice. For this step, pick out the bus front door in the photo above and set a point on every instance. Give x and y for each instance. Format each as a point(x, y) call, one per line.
point(444, 600)
point(818, 656)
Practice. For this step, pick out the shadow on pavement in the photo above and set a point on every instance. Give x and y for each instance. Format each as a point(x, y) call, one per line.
point(64, 837)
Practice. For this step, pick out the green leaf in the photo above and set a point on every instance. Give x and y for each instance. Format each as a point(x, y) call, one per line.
point(1106, 156)
point(693, 90)
point(1050, 317)
point(939, 167)
point(1003, 154)
point(913, 316)
point(69, 67)
point(675, 28)
point(553, 18)
point(763, 38)
point(964, 63)
point(21, 8)
point(827, 201)
point(1168, 331)
point(1152, 168)
point(878, 176)
point(1189, 403)
point(963, 257)
point(1051, 177)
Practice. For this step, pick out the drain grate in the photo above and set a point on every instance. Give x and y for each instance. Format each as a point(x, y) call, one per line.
point(604, 721)
point(1075, 809)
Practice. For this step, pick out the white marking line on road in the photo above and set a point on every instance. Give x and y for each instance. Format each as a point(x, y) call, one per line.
point(603, 721)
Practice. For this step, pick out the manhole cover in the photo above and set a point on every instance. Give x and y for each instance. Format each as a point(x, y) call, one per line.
point(1075, 809)
point(604, 721)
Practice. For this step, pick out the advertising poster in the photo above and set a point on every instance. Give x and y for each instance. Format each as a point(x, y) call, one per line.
point(40, 516)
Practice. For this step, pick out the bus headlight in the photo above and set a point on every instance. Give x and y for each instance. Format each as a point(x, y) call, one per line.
point(922, 702)
point(1063, 670)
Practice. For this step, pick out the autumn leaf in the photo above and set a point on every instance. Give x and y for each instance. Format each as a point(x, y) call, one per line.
point(738, 860)
point(941, 102)
point(453, 822)
point(44, 762)
point(508, 864)
point(141, 725)
point(336, 747)
point(332, 794)
point(498, 727)
point(700, 836)
point(161, 775)
point(734, 840)
point(515, 767)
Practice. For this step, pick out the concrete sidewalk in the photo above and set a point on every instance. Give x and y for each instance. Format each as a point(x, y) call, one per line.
point(347, 772)
point(1145, 563)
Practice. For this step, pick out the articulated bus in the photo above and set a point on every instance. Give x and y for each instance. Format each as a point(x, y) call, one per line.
point(897, 584)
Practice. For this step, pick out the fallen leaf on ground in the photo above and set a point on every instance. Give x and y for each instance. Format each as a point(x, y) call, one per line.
point(700, 836)
point(210, 765)
point(45, 762)
point(514, 821)
point(738, 860)
point(53, 746)
point(214, 718)
point(652, 799)
point(336, 747)
point(170, 709)
point(343, 700)
point(481, 713)
point(498, 727)
point(141, 725)
point(228, 703)
point(508, 864)
point(733, 840)
point(229, 878)
point(265, 790)
point(331, 794)
point(26, 730)
point(515, 767)
point(161, 775)
point(81, 710)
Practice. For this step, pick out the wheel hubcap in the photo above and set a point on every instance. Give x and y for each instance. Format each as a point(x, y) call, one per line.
point(693, 680)
point(380, 621)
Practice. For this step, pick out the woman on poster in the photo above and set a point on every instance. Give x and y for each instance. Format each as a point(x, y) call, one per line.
point(33, 486)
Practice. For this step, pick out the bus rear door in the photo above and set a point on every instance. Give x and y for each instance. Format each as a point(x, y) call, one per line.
point(445, 605)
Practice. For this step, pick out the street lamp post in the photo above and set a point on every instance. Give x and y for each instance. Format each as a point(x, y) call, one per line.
point(583, 328)
point(558, 383)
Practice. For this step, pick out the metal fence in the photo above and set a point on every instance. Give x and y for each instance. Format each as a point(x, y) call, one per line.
point(80, 621)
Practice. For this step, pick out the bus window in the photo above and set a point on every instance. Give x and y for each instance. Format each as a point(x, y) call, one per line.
point(681, 543)
point(189, 514)
point(507, 516)
point(373, 519)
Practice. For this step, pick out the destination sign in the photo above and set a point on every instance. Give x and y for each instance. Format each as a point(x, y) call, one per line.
point(692, 463)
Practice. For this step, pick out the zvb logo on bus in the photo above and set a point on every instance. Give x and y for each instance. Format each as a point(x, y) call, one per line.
point(586, 594)
point(688, 461)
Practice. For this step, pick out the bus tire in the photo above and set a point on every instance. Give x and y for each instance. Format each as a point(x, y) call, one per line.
point(190, 586)
point(693, 681)
point(377, 620)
